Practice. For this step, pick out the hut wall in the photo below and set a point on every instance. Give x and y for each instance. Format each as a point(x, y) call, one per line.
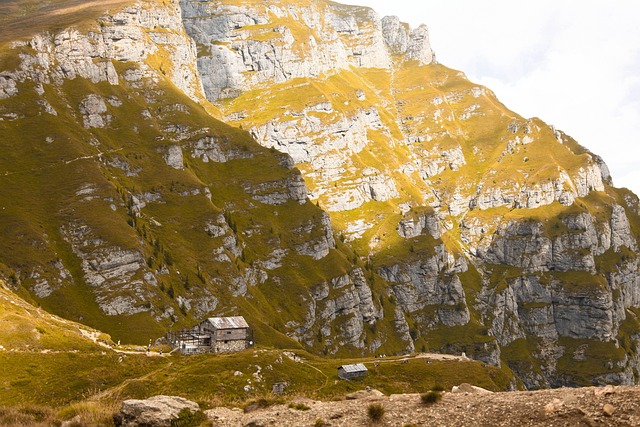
point(230, 346)
point(231, 334)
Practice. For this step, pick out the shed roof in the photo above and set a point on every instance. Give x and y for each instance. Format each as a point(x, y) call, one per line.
point(358, 367)
point(234, 322)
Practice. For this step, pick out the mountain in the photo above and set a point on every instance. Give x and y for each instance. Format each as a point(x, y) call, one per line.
point(310, 166)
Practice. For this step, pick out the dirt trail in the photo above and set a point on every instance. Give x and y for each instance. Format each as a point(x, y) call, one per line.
point(592, 406)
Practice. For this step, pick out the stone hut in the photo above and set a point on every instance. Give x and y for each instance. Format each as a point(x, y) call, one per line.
point(214, 335)
point(349, 372)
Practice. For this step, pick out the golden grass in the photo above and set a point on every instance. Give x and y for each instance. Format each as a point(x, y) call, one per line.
point(24, 18)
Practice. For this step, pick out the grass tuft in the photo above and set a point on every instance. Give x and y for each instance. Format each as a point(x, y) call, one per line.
point(186, 418)
point(299, 406)
point(375, 412)
point(431, 397)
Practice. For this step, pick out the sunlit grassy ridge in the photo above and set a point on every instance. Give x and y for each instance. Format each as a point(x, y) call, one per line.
point(39, 351)
point(27, 328)
point(21, 19)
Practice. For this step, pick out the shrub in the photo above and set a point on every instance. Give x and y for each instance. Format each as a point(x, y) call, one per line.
point(186, 418)
point(27, 415)
point(38, 413)
point(299, 406)
point(375, 412)
point(437, 387)
point(320, 423)
point(430, 397)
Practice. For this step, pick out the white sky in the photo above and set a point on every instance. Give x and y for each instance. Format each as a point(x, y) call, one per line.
point(575, 64)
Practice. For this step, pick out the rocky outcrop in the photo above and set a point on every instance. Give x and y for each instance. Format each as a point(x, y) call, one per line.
point(317, 248)
point(93, 110)
point(218, 150)
point(417, 223)
point(401, 40)
point(307, 137)
point(279, 192)
point(174, 157)
point(548, 311)
point(156, 411)
point(571, 244)
point(328, 144)
point(344, 302)
point(117, 276)
point(131, 35)
point(563, 189)
point(253, 44)
point(430, 289)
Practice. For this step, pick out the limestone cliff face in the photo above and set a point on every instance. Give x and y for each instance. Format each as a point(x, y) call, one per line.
point(162, 214)
point(511, 225)
point(245, 46)
point(346, 298)
point(133, 34)
point(256, 46)
point(389, 205)
point(430, 289)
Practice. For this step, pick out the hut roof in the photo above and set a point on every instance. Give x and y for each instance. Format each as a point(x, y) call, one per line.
point(234, 322)
point(358, 367)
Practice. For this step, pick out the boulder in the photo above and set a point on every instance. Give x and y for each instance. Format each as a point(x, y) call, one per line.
point(468, 388)
point(366, 394)
point(156, 411)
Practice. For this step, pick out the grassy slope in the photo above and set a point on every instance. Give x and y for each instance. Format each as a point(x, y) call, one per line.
point(39, 350)
point(57, 156)
point(36, 169)
point(27, 328)
point(440, 103)
point(21, 19)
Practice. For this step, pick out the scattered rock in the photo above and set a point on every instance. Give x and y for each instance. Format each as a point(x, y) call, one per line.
point(279, 387)
point(157, 411)
point(220, 416)
point(367, 394)
point(604, 391)
point(174, 157)
point(608, 409)
point(553, 406)
point(468, 388)
point(561, 407)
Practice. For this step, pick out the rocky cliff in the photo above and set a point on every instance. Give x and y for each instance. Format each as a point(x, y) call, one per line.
point(362, 197)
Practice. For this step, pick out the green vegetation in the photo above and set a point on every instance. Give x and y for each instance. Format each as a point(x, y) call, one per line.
point(24, 18)
point(583, 361)
point(186, 418)
point(430, 397)
point(221, 233)
point(375, 412)
point(29, 415)
point(299, 406)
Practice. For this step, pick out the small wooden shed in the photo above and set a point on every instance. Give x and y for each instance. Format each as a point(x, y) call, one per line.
point(349, 372)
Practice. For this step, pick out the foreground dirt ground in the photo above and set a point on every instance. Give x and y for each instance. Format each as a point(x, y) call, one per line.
point(591, 406)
